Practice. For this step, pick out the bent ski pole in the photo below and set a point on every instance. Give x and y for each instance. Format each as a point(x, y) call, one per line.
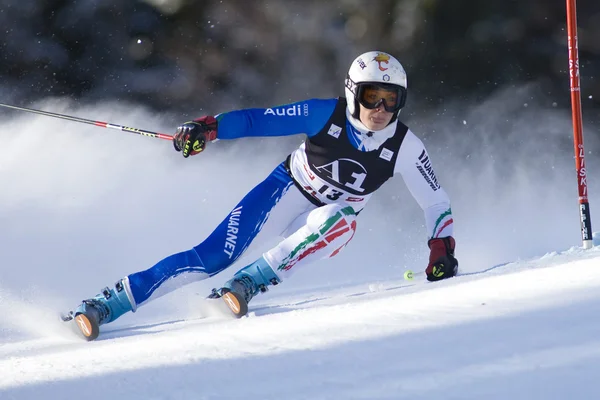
point(89, 121)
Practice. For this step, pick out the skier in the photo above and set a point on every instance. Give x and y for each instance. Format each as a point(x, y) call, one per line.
point(311, 200)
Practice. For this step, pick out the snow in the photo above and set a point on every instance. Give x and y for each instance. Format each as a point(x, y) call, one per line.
point(87, 207)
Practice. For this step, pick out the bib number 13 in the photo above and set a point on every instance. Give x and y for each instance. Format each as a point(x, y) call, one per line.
point(325, 190)
point(332, 194)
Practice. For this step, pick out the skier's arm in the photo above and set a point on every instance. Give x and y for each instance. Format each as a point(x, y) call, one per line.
point(306, 117)
point(415, 166)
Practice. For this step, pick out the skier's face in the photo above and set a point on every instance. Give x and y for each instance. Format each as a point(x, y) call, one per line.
point(375, 119)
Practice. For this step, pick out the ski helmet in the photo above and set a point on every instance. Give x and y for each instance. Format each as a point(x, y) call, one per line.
point(379, 69)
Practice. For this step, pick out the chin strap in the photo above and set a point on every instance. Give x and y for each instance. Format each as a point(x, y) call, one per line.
point(394, 117)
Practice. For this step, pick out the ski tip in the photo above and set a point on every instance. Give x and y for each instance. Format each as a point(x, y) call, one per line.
point(65, 317)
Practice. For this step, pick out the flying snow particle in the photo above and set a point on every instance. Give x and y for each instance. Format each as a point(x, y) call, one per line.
point(375, 287)
point(139, 41)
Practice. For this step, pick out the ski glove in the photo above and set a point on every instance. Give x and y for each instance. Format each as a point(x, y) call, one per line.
point(442, 263)
point(190, 137)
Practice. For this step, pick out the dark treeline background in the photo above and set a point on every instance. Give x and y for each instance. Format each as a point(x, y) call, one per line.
point(195, 56)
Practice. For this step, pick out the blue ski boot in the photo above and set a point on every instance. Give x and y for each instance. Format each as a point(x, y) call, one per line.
point(105, 307)
point(245, 284)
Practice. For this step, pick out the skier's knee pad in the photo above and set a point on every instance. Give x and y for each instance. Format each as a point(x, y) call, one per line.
point(335, 223)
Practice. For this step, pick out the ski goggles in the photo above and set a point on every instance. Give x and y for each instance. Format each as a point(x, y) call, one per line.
point(372, 95)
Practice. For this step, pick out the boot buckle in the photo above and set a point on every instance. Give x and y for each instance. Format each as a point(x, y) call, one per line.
point(106, 293)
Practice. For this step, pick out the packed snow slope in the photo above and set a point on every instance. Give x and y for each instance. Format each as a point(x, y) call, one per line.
point(521, 331)
point(81, 207)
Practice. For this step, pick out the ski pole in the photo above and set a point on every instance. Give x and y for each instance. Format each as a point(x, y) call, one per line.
point(584, 205)
point(95, 123)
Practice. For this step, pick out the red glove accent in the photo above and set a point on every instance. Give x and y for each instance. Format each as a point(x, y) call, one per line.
point(190, 137)
point(210, 125)
point(441, 257)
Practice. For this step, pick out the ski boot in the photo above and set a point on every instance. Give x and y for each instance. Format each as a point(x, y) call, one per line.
point(245, 284)
point(105, 307)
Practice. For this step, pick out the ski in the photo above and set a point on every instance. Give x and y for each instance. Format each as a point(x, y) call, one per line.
point(233, 300)
point(84, 325)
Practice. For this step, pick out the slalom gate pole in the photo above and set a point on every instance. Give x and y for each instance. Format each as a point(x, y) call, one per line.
point(95, 123)
point(584, 207)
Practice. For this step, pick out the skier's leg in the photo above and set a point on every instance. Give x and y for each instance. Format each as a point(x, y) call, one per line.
point(325, 232)
point(221, 249)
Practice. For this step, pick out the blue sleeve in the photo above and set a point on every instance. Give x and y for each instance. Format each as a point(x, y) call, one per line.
point(308, 117)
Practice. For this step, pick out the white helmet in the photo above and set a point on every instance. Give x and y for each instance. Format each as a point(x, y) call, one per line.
point(375, 67)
